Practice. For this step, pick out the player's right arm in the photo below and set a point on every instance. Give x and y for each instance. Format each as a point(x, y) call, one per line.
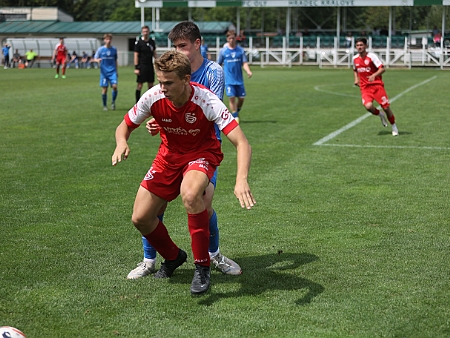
point(122, 150)
point(356, 81)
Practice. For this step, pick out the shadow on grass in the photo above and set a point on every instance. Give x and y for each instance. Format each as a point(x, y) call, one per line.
point(262, 274)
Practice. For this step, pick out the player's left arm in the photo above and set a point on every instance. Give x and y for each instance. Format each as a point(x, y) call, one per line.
point(380, 71)
point(244, 154)
point(247, 69)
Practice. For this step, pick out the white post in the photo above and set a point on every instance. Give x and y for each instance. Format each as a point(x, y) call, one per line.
point(142, 17)
point(441, 61)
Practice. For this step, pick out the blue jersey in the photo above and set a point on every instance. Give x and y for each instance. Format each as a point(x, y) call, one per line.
point(109, 57)
point(232, 60)
point(210, 74)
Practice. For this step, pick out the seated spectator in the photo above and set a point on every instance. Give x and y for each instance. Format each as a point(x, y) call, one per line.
point(73, 59)
point(241, 38)
point(31, 57)
point(348, 40)
point(437, 39)
point(85, 60)
point(16, 58)
point(92, 61)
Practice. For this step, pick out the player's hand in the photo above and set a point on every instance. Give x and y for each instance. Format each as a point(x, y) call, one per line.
point(137, 72)
point(356, 84)
point(244, 195)
point(121, 152)
point(152, 127)
point(371, 78)
point(249, 74)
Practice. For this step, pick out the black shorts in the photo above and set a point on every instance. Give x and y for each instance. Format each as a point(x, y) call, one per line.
point(146, 74)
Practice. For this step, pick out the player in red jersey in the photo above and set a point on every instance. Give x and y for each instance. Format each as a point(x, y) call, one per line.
point(367, 68)
point(186, 160)
point(60, 55)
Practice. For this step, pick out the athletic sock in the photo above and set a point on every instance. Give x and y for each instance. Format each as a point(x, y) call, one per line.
point(199, 230)
point(391, 119)
point(149, 250)
point(114, 95)
point(104, 97)
point(161, 241)
point(213, 234)
point(235, 114)
point(377, 112)
point(138, 95)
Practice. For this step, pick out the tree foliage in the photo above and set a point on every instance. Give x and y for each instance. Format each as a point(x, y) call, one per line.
point(251, 19)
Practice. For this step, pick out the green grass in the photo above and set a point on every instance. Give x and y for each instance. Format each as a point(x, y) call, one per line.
point(348, 239)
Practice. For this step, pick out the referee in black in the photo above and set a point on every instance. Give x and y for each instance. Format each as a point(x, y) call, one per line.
point(144, 52)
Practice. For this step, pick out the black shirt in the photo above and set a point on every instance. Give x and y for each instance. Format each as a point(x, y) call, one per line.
point(145, 50)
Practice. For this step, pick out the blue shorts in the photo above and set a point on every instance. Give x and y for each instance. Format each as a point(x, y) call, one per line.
point(213, 179)
point(105, 81)
point(235, 90)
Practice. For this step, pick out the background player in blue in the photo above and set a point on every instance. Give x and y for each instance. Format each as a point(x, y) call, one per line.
point(204, 50)
point(106, 56)
point(186, 38)
point(234, 59)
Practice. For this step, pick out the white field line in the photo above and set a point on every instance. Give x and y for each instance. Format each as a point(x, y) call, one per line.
point(358, 120)
point(393, 147)
point(319, 89)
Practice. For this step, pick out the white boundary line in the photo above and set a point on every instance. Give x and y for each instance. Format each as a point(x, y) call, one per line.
point(358, 120)
point(393, 147)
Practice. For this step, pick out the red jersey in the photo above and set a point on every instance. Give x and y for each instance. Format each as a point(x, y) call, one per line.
point(61, 51)
point(188, 129)
point(366, 66)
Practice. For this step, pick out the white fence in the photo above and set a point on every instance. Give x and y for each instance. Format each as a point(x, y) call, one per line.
point(329, 52)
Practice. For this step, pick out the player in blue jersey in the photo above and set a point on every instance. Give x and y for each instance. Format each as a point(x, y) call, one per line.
point(106, 56)
point(234, 59)
point(186, 38)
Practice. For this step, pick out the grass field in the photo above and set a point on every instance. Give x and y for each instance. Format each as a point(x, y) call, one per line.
point(349, 238)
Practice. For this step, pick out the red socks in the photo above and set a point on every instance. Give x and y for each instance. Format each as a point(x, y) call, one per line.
point(163, 244)
point(198, 225)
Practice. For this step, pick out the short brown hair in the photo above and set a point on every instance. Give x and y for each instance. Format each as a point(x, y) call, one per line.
point(229, 33)
point(173, 61)
point(107, 35)
point(185, 30)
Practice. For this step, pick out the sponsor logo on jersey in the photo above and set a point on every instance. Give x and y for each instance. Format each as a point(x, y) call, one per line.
point(190, 117)
point(167, 120)
point(194, 132)
point(366, 62)
point(176, 131)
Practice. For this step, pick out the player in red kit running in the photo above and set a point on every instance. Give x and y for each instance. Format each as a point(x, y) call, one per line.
point(188, 156)
point(367, 68)
point(60, 55)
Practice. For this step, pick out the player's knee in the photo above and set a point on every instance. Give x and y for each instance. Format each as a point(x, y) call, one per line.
point(368, 106)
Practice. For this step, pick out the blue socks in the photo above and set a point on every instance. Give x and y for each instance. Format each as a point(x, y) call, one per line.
point(104, 97)
point(213, 233)
point(114, 95)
